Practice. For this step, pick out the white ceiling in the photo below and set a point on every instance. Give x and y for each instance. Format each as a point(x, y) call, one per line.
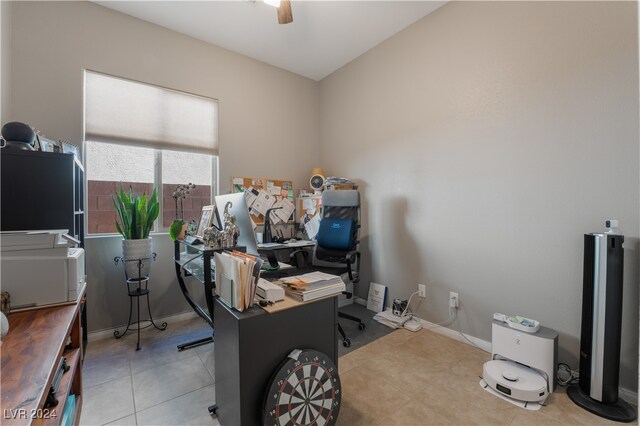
point(324, 35)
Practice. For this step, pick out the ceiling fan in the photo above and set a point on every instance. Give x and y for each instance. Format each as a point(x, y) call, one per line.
point(285, 16)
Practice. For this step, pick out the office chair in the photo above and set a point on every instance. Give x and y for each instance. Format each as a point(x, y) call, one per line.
point(337, 242)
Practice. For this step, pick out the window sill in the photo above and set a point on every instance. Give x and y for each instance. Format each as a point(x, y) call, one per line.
point(99, 236)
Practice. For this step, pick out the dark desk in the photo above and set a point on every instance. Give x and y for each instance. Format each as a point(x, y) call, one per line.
point(272, 250)
point(250, 345)
point(282, 246)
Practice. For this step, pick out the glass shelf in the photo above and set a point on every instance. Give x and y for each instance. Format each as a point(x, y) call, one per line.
point(191, 260)
point(202, 249)
point(193, 263)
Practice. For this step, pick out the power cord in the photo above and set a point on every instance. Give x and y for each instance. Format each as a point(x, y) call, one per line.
point(409, 304)
point(453, 316)
point(465, 337)
point(447, 322)
point(570, 376)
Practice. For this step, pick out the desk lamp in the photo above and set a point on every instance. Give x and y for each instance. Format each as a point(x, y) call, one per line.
point(267, 225)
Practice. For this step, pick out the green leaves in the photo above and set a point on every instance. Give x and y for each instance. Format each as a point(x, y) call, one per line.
point(176, 229)
point(136, 214)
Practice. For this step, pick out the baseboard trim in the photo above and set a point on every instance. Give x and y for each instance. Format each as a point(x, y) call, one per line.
point(106, 333)
point(360, 301)
point(455, 335)
point(626, 394)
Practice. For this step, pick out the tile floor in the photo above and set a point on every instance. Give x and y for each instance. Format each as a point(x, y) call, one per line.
point(402, 378)
point(425, 378)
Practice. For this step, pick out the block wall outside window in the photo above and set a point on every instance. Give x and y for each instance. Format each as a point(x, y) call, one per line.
point(102, 216)
point(192, 205)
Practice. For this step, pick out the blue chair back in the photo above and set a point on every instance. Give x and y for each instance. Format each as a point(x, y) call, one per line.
point(336, 233)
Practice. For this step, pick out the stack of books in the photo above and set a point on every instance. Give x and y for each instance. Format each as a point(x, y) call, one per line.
point(312, 286)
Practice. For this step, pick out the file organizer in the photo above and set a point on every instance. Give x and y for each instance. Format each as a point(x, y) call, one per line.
point(236, 275)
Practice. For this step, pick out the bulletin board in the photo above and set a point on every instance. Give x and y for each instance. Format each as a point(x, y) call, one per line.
point(309, 205)
point(279, 189)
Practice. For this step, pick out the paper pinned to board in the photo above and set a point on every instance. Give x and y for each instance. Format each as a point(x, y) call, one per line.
point(286, 211)
point(275, 218)
point(263, 202)
point(274, 190)
point(312, 227)
point(250, 196)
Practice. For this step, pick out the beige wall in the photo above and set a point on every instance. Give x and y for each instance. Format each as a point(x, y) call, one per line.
point(5, 62)
point(269, 118)
point(488, 138)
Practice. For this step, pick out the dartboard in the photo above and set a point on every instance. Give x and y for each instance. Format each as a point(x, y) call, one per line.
point(305, 390)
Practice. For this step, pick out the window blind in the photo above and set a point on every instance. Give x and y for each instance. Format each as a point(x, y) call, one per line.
point(128, 112)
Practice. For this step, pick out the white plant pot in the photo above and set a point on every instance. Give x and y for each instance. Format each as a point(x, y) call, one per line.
point(132, 251)
point(5, 324)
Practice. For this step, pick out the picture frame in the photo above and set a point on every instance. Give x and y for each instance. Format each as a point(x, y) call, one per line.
point(206, 219)
point(46, 145)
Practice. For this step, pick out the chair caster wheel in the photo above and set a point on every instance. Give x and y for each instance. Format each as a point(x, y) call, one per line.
point(361, 326)
point(213, 410)
point(346, 343)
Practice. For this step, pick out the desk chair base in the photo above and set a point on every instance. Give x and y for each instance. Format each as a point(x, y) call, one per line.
point(346, 342)
point(213, 409)
point(361, 325)
point(194, 343)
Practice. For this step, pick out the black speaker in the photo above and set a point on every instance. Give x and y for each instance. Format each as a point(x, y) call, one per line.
point(597, 388)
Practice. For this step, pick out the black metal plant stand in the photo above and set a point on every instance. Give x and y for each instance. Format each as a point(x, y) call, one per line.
point(137, 293)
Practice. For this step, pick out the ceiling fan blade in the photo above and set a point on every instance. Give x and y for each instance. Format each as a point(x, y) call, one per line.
point(285, 15)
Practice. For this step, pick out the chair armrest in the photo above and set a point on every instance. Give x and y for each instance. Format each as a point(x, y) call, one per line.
point(294, 256)
point(353, 258)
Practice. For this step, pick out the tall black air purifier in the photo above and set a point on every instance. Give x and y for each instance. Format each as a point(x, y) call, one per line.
point(597, 388)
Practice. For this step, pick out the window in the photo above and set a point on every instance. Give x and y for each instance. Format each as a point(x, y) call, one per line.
point(146, 136)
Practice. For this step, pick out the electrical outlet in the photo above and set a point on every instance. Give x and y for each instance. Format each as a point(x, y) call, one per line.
point(422, 290)
point(454, 301)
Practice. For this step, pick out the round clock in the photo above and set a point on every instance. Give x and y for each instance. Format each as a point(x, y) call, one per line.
point(305, 390)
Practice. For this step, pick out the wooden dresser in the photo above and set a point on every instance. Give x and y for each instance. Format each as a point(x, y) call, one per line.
point(31, 353)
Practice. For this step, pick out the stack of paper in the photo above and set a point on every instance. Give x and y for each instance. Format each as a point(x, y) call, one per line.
point(236, 278)
point(390, 320)
point(313, 285)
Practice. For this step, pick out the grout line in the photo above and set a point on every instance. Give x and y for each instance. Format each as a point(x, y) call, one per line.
point(133, 392)
point(165, 363)
point(117, 419)
point(205, 367)
point(104, 383)
point(175, 397)
point(390, 415)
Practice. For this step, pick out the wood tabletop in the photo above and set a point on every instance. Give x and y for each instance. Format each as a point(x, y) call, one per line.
point(30, 353)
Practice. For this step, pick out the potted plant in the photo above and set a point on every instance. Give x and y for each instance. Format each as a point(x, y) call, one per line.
point(178, 228)
point(137, 215)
